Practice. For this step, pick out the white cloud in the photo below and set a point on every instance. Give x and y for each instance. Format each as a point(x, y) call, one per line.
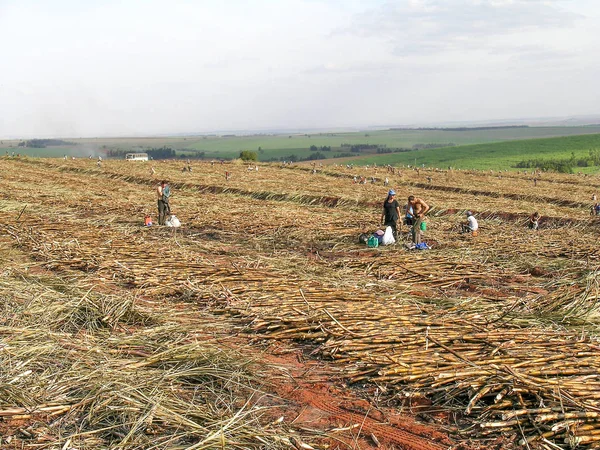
point(434, 26)
point(157, 66)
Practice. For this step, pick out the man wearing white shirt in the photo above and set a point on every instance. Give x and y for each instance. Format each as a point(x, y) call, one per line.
point(471, 224)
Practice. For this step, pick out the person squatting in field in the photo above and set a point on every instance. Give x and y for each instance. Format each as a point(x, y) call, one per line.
point(534, 221)
point(420, 208)
point(471, 224)
point(391, 212)
point(163, 192)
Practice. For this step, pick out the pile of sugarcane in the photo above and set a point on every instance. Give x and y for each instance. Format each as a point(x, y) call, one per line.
point(540, 382)
point(557, 199)
point(469, 327)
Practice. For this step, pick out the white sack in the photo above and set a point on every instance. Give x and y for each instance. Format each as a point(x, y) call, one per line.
point(173, 222)
point(388, 236)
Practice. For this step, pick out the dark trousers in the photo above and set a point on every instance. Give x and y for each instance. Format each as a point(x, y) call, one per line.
point(163, 211)
point(465, 228)
point(392, 223)
point(416, 230)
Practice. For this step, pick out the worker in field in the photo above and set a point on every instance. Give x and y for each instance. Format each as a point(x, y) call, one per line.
point(409, 215)
point(534, 221)
point(163, 192)
point(391, 212)
point(471, 224)
point(420, 208)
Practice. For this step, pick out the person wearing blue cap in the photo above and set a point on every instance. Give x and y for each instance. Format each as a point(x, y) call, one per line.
point(391, 212)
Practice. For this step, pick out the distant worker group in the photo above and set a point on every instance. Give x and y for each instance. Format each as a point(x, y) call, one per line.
point(414, 213)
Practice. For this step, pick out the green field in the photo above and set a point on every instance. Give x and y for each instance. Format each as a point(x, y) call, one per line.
point(499, 155)
point(282, 146)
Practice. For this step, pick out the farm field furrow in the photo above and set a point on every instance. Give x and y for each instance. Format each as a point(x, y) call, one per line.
point(456, 194)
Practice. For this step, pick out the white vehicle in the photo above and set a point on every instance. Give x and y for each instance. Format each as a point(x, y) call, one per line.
point(136, 157)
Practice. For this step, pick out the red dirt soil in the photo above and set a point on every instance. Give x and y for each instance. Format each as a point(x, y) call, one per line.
point(324, 403)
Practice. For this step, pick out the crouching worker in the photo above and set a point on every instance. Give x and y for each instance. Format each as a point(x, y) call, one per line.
point(534, 221)
point(471, 225)
point(391, 212)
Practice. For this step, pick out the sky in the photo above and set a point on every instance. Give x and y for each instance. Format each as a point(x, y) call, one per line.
point(73, 68)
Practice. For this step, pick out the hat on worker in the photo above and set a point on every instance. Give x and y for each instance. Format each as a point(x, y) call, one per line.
point(391, 192)
point(469, 213)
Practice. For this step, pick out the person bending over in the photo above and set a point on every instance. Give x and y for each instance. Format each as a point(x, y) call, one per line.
point(420, 208)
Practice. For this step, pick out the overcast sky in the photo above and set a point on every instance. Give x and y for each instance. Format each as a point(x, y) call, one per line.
point(95, 68)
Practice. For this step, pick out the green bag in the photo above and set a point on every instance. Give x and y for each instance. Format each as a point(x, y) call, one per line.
point(372, 242)
point(423, 226)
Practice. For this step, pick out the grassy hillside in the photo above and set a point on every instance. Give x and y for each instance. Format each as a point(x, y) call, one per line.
point(500, 155)
point(281, 146)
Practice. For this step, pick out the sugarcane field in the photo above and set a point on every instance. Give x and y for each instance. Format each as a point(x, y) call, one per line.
point(262, 321)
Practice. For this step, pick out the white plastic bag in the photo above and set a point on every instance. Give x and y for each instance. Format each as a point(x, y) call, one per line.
point(173, 222)
point(388, 236)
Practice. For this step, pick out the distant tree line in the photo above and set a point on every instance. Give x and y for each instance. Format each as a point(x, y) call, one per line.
point(43, 143)
point(357, 148)
point(317, 155)
point(156, 153)
point(564, 165)
point(324, 148)
point(551, 165)
point(382, 148)
point(394, 150)
point(295, 158)
point(501, 127)
point(413, 148)
point(423, 146)
point(161, 153)
point(311, 157)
